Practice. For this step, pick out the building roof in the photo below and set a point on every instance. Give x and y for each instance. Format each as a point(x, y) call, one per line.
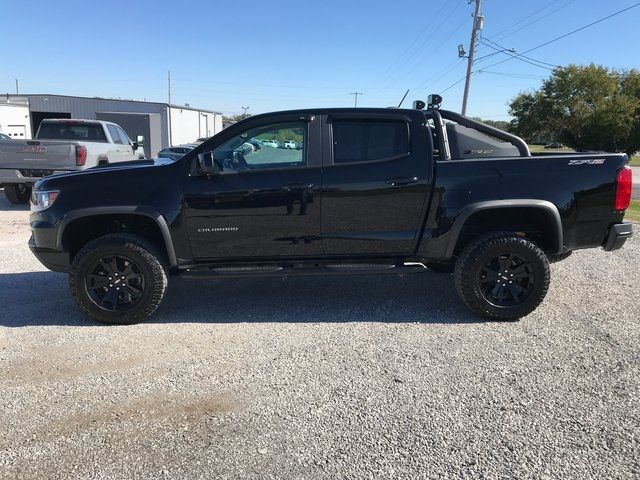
point(172, 105)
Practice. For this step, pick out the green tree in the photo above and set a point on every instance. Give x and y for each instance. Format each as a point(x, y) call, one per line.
point(500, 124)
point(585, 107)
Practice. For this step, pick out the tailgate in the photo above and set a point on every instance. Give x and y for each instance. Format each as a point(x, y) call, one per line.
point(37, 155)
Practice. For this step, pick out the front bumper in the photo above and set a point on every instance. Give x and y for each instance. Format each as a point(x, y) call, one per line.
point(618, 234)
point(52, 259)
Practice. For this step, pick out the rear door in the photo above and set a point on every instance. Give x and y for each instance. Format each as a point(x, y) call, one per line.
point(376, 182)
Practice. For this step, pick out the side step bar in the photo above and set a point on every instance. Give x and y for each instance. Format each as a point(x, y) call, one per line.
point(263, 271)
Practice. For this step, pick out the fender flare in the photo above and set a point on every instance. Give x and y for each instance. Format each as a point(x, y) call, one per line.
point(143, 211)
point(549, 208)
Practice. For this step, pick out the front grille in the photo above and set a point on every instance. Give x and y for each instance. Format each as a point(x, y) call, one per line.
point(33, 172)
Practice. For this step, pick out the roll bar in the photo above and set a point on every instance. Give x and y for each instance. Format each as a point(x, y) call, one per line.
point(438, 116)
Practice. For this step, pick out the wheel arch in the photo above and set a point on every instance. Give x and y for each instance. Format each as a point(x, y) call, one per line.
point(547, 210)
point(147, 213)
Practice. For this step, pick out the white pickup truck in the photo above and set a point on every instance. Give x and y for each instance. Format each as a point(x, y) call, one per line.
point(61, 145)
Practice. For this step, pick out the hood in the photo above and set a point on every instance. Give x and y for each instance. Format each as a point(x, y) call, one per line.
point(111, 169)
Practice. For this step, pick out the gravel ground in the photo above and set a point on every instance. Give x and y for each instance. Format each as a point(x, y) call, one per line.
point(362, 377)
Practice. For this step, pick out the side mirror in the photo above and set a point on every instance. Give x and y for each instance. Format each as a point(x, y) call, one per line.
point(140, 139)
point(135, 145)
point(206, 165)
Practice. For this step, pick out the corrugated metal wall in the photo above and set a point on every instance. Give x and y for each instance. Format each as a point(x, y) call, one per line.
point(80, 107)
point(87, 108)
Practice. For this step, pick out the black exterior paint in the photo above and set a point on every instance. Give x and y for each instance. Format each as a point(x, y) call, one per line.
point(396, 209)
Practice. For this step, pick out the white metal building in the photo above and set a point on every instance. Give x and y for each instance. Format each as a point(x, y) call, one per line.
point(20, 115)
point(14, 120)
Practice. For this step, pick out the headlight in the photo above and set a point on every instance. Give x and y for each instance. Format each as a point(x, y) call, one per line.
point(43, 199)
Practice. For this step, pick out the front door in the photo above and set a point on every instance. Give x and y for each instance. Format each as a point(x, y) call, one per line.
point(375, 183)
point(265, 201)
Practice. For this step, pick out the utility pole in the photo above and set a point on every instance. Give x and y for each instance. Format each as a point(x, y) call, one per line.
point(356, 95)
point(244, 112)
point(169, 84)
point(17, 89)
point(478, 20)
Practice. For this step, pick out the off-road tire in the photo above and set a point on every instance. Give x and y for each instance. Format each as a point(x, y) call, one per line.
point(143, 254)
point(558, 257)
point(17, 194)
point(475, 257)
point(442, 267)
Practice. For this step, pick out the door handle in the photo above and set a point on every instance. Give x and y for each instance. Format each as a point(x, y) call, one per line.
point(401, 181)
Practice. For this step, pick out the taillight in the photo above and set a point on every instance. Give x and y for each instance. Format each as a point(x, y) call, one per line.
point(623, 189)
point(81, 155)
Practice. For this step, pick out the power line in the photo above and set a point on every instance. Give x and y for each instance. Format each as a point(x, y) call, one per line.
point(455, 64)
point(508, 74)
point(453, 85)
point(600, 20)
point(527, 17)
point(582, 28)
point(384, 74)
point(529, 60)
point(432, 52)
point(533, 22)
point(502, 47)
point(442, 21)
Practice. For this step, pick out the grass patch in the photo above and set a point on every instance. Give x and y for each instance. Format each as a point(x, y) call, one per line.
point(635, 161)
point(540, 148)
point(633, 212)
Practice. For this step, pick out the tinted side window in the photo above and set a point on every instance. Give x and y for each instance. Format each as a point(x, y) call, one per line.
point(279, 145)
point(366, 140)
point(114, 134)
point(123, 136)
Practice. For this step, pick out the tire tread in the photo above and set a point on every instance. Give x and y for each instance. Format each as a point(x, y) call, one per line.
point(464, 276)
point(144, 248)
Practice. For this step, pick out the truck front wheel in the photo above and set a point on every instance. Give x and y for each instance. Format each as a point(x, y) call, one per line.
point(17, 193)
point(502, 276)
point(118, 278)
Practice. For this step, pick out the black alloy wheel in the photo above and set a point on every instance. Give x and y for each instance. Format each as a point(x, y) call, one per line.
point(115, 283)
point(119, 278)
point(506, 280)
point(502, 276)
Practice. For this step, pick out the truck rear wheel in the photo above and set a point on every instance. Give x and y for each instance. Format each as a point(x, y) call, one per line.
point(118, 279)
point(502, 276)
point(17, 193)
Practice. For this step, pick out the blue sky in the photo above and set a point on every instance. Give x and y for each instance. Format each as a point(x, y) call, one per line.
point(290, 54)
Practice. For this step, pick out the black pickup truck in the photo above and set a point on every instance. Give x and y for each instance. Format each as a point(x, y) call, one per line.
point(368, 191)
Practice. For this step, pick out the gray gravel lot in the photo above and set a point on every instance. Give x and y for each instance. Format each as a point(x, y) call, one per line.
point(363, 377)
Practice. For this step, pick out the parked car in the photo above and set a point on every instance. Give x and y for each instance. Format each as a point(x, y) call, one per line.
point(257, 144)
point(271, 143)
point(554, 145)
point(397, 191)
point(176, 152)
point(61, 145)
point(290, 144)
point(300, 146)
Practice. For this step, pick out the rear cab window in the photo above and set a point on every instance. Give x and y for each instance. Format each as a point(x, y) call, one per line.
point(366, 140)
point(81, 131)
